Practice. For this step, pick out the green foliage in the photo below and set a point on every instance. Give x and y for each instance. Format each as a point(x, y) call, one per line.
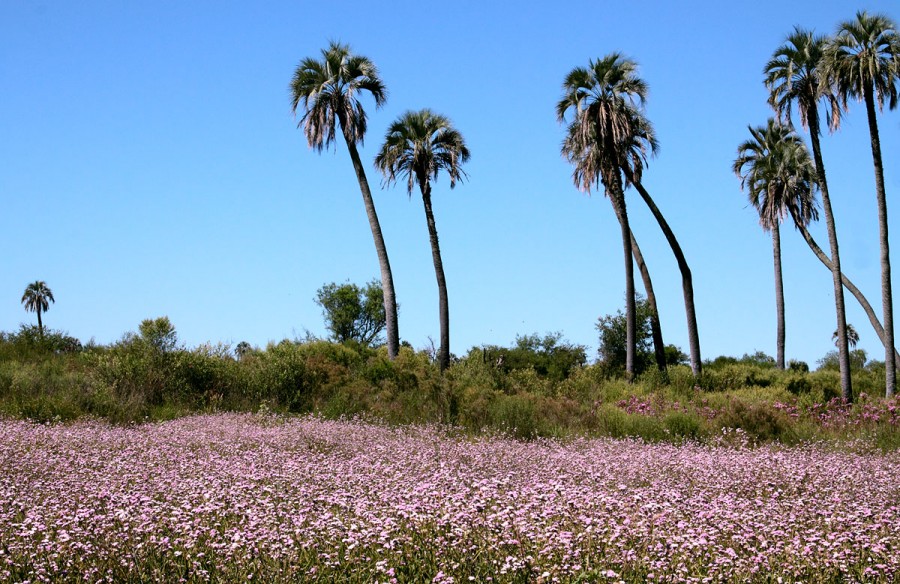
point(29, 343)
point(612, 328)
point(831, 361)
point(799, 366)
point(159, 333)
point(758, 359)
point(353, 314)
point(549, 357)
point(540, 388)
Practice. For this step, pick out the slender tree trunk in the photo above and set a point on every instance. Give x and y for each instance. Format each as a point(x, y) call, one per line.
point(779, 295)
point(836, 274)
point(40, 324)
point(850, 286)
point(687, 284)
point(444, 309)
point(659, 348)
point(886, 295)
point(387, 279)
point(617, 196)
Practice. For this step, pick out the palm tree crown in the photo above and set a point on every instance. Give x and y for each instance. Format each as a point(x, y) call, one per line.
point(328, 89)
point(420, 144)
point(608, 129)
point(777, 171)
point(863, 56)
point(793, 74)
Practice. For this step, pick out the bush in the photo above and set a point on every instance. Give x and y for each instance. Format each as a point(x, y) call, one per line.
point(759, 420)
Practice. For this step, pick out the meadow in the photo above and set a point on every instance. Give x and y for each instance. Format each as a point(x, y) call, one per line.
point(264, 497)
point(311, 461)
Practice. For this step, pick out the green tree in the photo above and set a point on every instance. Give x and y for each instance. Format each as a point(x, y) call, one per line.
point(417, 146)
point(613, 338)
point(793, 76)
point(159, 333)
point(777, 172)
point(605, 101)
point(862, 62)
point(37, 298)
point(550, 355)
point(327, 91)
point(829, 362)
point(353, 313)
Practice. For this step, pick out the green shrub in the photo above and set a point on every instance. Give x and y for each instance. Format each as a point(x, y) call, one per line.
point(760, 421)
point(682, 424)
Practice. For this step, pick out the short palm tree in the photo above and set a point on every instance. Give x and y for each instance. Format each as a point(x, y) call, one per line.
point(793, 76)
point(327, 91)
point(604, 100)
point(37, 298)
point(417, 146)
point(778, 174)
point(863, 62)
point(852, 336)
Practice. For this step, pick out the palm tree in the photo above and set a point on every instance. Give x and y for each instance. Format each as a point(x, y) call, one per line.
point(37, 298)
point(775, 168)
point(605, 99)
point(863, 62)
point(852, 336)
point(327, 91)
point(418, 145)
point(792, 75)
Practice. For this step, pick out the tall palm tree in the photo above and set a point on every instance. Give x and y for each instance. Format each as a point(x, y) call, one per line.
point(327, 90)
point(863, 62)
point(37, 298)
point(793, 75)
point(778, 174)
point(605, 100)
point(418, 145)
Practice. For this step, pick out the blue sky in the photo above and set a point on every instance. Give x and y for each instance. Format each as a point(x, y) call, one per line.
point(151, 166)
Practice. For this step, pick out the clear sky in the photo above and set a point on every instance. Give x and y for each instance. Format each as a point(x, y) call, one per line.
point(150, 165)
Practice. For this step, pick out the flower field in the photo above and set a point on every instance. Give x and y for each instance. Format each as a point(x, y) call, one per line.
point(245, 497)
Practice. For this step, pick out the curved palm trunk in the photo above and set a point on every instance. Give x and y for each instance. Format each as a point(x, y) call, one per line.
point(444, 351)
point(779, 295)
point(836, 273)
point(886, 295)
point(659, 348)
point(387, 279)
point(40, 324)
point(850, 286)
point(617, 197)
point(687, 285)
